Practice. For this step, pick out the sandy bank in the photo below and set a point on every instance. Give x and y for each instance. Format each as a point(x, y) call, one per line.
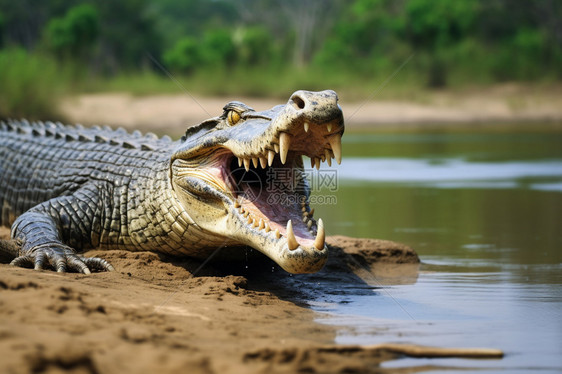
point(154, 315)
point(171, 114)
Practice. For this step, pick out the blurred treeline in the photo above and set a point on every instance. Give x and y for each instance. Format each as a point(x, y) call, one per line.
point(267, 47)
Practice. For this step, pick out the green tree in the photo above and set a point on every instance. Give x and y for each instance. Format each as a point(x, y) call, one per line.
point(217, 49)
point(255, 46)
point(432, 26)
point(184, 56)
point(73, 35)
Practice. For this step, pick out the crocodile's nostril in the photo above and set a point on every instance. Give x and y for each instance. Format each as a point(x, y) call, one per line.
point(298, 102)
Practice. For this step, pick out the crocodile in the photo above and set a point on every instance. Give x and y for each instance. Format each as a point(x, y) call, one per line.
point(231, 182)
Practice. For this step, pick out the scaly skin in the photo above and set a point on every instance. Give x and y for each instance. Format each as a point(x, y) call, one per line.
point(65, 189)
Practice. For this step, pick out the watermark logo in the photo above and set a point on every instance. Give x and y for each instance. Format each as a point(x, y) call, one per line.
point(291, 179)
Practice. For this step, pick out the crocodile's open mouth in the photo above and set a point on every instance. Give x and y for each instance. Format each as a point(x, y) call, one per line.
point(257, 176)
point(270, 190)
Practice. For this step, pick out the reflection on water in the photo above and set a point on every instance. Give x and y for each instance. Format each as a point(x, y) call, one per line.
point(484, 211)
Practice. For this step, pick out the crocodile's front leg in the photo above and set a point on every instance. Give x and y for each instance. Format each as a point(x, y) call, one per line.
point(45, 231)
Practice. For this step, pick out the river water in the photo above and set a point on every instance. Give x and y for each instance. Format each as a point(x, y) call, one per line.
point(484, 212)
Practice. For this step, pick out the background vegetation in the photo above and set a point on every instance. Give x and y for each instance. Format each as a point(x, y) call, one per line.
point(267, 47)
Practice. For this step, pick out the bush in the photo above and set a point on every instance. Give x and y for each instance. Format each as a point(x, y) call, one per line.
point(73, 34)
point(31, 85)
point(183, 57)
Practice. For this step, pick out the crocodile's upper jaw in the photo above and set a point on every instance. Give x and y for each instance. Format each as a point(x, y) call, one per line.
point(242, 176)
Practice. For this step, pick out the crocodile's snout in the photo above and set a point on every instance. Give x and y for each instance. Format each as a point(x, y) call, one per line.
point(313, 104)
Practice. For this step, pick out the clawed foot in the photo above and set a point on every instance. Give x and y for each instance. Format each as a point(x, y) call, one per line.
point(62, 259)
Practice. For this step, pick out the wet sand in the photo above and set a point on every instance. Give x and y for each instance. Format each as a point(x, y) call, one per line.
point(157, 314)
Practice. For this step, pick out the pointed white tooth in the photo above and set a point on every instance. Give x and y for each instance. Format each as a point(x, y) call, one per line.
point(240, 162)
point(291, 240)
point(256, 223)
point(236, 204)
point(328, 157)
point(320, 236)
point(335, 143)
point(284, 144)
point(306, 126)
point(261, 225)
point(270, 156)
point(267, 228)
point(255, 162)
point(309, 224)
point(247, 164)
point(276, 147)
point(263, 162)
point(250, 219)
point(277, 234)
point(317, 163)
point(329, 126)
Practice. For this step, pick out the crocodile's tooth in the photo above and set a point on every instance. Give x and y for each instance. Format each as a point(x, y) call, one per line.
point(309, 225)
point(291, 240)
point(255, 162)
point(247, 164)
point(236, 204)
point(242, 210)
point(304, 218)
point(306, 126)
point(323, 157)
point(320, 236)
point(335, 143)
point(256, 223)
point(240, 162)
point(250, 219)
point(261, 225)
point(317, 163)
point(263, 162)
point(276, 147)
point(270, 156)
point(284, 144)
point(277, 234)
point(312, 162)
point(328, 157)
point(329, 126)
point(267, 228)
point(311, 213)
point(246, 213)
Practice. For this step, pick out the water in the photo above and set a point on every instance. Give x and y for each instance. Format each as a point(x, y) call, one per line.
point(484, 212)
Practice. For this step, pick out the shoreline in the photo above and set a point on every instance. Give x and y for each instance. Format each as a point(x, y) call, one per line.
point(498, 108)
point(157, 313)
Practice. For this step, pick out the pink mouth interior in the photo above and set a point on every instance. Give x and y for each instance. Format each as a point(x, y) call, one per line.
point(271, 194)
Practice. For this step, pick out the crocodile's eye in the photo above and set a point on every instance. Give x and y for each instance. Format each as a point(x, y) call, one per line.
point(233, 117)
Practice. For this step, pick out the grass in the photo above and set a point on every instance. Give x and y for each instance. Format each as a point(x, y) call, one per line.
point(264, 82)
point(31, 85)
